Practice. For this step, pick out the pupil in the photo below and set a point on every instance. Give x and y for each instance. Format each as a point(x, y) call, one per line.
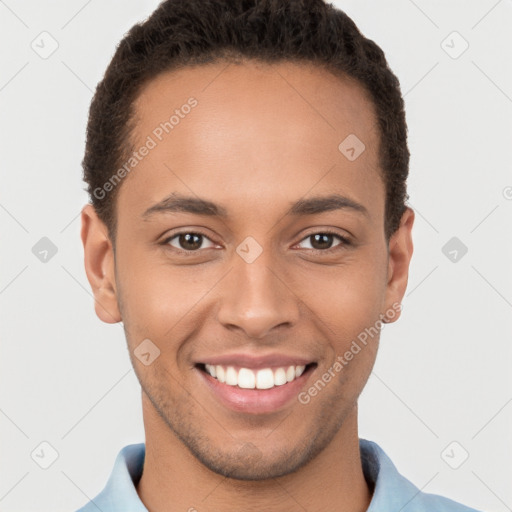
point(186, 243)
point(323, 239)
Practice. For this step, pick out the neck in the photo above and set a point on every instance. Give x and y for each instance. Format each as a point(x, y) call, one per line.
point(173, 479)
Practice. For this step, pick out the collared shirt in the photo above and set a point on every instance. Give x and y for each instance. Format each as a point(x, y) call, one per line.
point(391, 491)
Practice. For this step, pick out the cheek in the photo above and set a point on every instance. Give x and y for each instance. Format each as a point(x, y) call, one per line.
point(347, 298)
point(159, 301)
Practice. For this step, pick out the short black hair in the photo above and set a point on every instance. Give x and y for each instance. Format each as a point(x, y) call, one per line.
point(194, 32)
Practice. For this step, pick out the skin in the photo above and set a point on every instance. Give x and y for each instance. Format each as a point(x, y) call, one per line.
point(260, 138)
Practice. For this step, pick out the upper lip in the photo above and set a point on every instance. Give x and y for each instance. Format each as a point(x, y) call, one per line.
point(256, 361)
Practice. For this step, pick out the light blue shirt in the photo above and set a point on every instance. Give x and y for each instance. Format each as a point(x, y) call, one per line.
point(392, 492)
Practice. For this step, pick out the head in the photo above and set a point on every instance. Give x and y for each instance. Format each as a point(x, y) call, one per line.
point(247, 164)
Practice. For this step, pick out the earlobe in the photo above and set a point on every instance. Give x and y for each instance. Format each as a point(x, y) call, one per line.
point(400, 254)
point(99, 265)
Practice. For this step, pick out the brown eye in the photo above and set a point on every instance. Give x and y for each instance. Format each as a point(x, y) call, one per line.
point(323, 241)
point(187, 241)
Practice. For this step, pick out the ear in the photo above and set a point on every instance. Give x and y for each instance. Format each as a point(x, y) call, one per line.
point(99, 265)
point(399, 257)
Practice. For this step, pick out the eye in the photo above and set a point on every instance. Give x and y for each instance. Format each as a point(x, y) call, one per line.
point(322, 241)
point(187, 241)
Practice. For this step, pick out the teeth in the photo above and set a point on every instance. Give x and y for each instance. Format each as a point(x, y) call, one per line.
point(246, 378)
point(299, 370)
point(211, 370)
point(265, 379)
point(220, 373)
point(279, 377)
point(231, 376)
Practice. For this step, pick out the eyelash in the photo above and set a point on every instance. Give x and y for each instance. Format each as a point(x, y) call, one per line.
point(345, 241)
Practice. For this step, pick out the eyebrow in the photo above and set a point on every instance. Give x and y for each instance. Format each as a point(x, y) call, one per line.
point(311, 206)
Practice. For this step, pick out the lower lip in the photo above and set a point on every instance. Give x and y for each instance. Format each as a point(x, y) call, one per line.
point(255, 401)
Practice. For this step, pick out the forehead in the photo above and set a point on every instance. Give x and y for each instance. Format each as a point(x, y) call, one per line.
point(256, 133)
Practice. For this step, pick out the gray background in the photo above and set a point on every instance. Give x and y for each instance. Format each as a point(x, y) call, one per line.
point(443, 370)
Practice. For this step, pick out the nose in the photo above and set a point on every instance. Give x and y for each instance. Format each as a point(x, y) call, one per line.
point(257, 298)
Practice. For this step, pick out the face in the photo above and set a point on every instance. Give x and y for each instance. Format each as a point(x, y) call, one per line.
point(283, 264)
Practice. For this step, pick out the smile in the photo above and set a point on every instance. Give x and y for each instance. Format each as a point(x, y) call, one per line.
point(256, 391)
point(264, 378)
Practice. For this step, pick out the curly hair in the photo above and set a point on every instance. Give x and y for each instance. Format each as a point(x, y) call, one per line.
point(182, 33)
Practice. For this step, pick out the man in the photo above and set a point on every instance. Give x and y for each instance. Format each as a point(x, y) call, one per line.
point(247, 166)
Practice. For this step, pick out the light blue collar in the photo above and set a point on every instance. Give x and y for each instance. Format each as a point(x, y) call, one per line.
point(391, 491)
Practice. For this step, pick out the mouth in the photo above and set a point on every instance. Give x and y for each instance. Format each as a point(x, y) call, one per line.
point(262, 378)
point(255, 391)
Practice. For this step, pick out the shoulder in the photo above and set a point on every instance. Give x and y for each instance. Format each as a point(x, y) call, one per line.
point(119, 494)
point(393, 492)
point(430, 502)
